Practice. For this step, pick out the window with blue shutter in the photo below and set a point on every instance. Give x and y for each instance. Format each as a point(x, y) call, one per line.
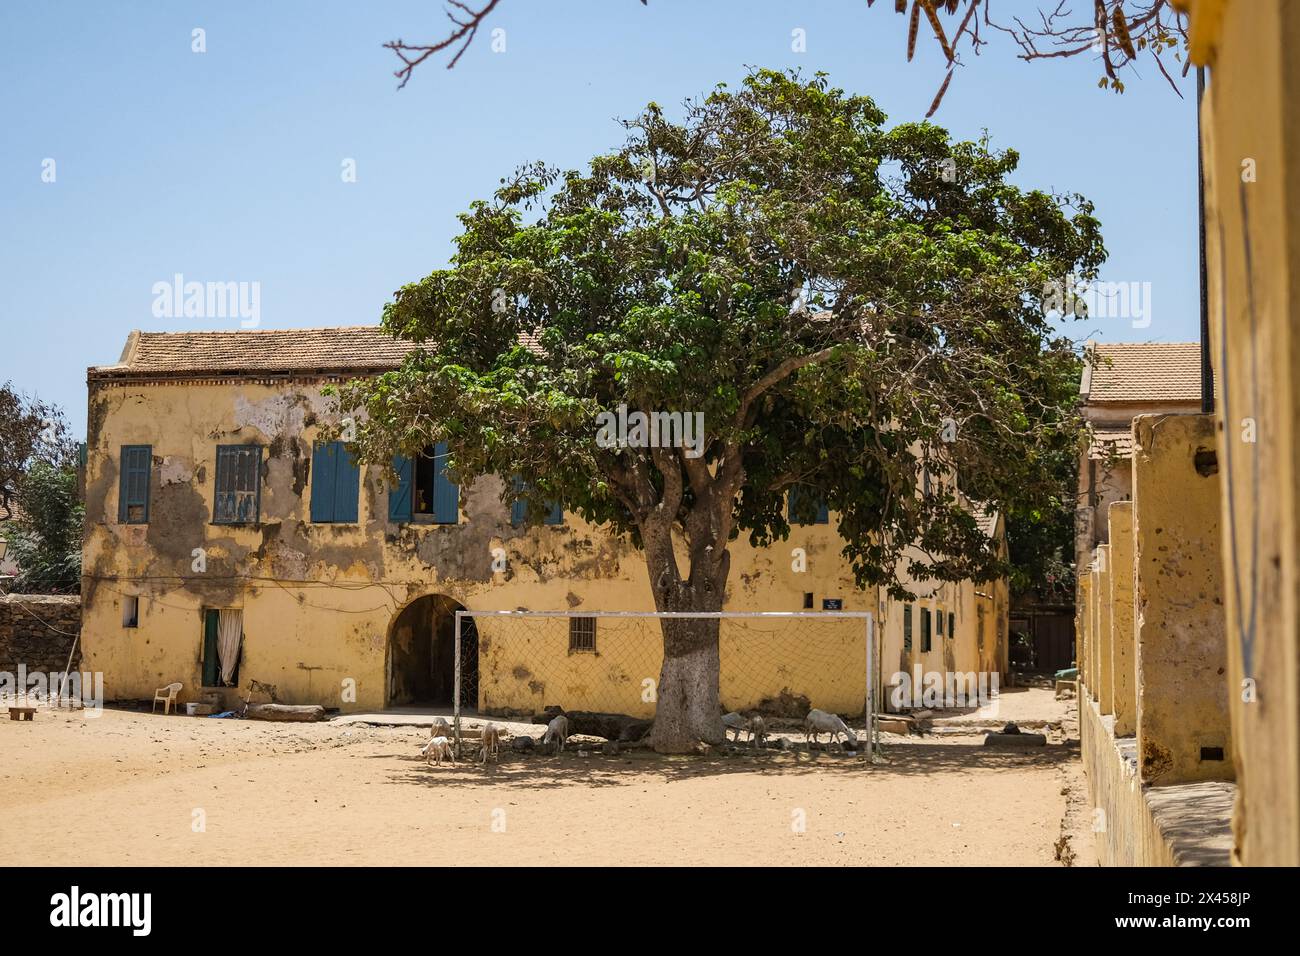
point(925, 629)
point(446, 494)
point(335, 484)
point(907, 627)
point(519, 509)
point(399, 495)
point(133, 484)
point(803, 507)
point(952, 625)
point(238, 484)
point(424, 490)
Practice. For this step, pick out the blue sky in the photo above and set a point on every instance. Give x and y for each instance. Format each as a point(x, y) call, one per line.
point(225, 166)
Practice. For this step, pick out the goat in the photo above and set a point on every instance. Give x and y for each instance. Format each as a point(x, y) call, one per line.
point(820, 722)
point(436, 749)
point(734, 723)
point(491, 743)
point(757, 731)
point(557, 732)
point(440, 728)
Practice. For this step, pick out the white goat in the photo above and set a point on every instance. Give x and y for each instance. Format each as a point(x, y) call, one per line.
point(820, 722)
point(557, 732)
point(436, 749)
point(734, 723)
point(738, 724)
point(491, 743)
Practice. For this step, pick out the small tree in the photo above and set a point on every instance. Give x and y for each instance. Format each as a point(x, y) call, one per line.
point(45, 537)
point(847, 306)
point(30, 430)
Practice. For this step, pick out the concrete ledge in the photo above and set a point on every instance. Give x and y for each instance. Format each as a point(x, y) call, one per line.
point(1186, 824)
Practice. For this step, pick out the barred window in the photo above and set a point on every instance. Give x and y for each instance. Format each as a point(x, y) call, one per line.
point(238, 484)
point(582, 634)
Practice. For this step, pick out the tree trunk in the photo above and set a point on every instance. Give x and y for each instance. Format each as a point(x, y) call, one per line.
point(687, 712)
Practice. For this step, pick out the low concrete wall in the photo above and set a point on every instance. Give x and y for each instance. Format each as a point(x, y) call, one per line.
point(1179, 825)
point(37, 631)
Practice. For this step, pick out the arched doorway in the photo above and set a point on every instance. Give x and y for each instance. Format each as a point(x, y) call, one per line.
point(422, 655)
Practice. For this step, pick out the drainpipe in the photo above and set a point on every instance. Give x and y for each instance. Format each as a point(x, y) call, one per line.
point(1207, 372)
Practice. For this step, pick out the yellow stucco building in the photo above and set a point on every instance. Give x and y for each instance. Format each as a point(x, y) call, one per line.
point(1192, 747)
point(225, 544)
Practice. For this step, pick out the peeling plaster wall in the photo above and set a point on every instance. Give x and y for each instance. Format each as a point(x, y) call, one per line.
point(1182, 687)
point(1251, 144)
point(319, 599)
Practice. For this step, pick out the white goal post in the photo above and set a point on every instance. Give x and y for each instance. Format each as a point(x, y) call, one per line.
point(518, 659)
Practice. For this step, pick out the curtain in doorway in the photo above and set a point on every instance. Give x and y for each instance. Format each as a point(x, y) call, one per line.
point(230, 632)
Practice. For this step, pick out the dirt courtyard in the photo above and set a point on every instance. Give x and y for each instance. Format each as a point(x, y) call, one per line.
point(131, 788)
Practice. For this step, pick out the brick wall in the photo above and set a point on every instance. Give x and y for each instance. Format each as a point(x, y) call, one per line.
point(38, 630)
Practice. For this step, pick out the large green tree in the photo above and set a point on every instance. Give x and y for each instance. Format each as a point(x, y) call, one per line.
point(848, 306)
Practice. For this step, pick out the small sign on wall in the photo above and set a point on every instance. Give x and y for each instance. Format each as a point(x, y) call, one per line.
point(832, 604)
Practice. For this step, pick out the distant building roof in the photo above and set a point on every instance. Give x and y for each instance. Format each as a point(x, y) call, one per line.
point(986, 518)
point(1106, 442)
point(346, 348)
point(1144, 372)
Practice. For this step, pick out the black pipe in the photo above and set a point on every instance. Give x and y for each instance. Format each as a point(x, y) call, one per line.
point(1207, 372)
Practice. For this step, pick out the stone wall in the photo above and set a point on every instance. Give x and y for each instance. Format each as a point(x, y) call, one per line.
point(37, 631)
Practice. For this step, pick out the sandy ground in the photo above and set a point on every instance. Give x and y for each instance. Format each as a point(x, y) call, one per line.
point(131, 788)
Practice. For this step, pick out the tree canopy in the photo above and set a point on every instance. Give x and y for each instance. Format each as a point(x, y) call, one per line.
point(854, 310)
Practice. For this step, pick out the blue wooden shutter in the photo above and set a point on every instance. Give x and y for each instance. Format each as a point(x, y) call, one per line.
point(518, 507)
point(907, 627)
point(446, 494)
point(324, 464)
point(347, 485)
point(399, 496)
point(555, 515)
point(133, 484)
point(801, 498)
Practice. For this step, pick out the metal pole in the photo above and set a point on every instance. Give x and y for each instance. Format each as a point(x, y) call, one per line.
point(455, 698)
point(1207, 370)
point(871, 688)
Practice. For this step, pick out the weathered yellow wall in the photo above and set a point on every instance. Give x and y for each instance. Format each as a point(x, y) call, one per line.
point(1252, 149)
point(1181, 652)
point(319, 600)
point(1124, 694)
point(1083, 626)
point(1098, 600)
point(1137, 825)
point(1105, 690)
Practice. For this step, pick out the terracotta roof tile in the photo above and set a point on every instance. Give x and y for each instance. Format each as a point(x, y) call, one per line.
point(344, 348)
point(1146, 372)
point(1106, 441)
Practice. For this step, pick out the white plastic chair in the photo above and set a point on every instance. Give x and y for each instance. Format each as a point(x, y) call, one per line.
point(167, 695)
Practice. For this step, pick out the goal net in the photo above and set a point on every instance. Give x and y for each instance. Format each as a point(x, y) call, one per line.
point(777, 665)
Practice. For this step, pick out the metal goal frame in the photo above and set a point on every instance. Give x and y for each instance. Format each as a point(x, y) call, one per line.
point(868, 619)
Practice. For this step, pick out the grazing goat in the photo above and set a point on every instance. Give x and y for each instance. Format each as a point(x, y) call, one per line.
point(557, 732)
point(820, 722)
point(734, 723)
point(491, 743)
point(440, 728)
point(436, 749)
point(738, 724)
